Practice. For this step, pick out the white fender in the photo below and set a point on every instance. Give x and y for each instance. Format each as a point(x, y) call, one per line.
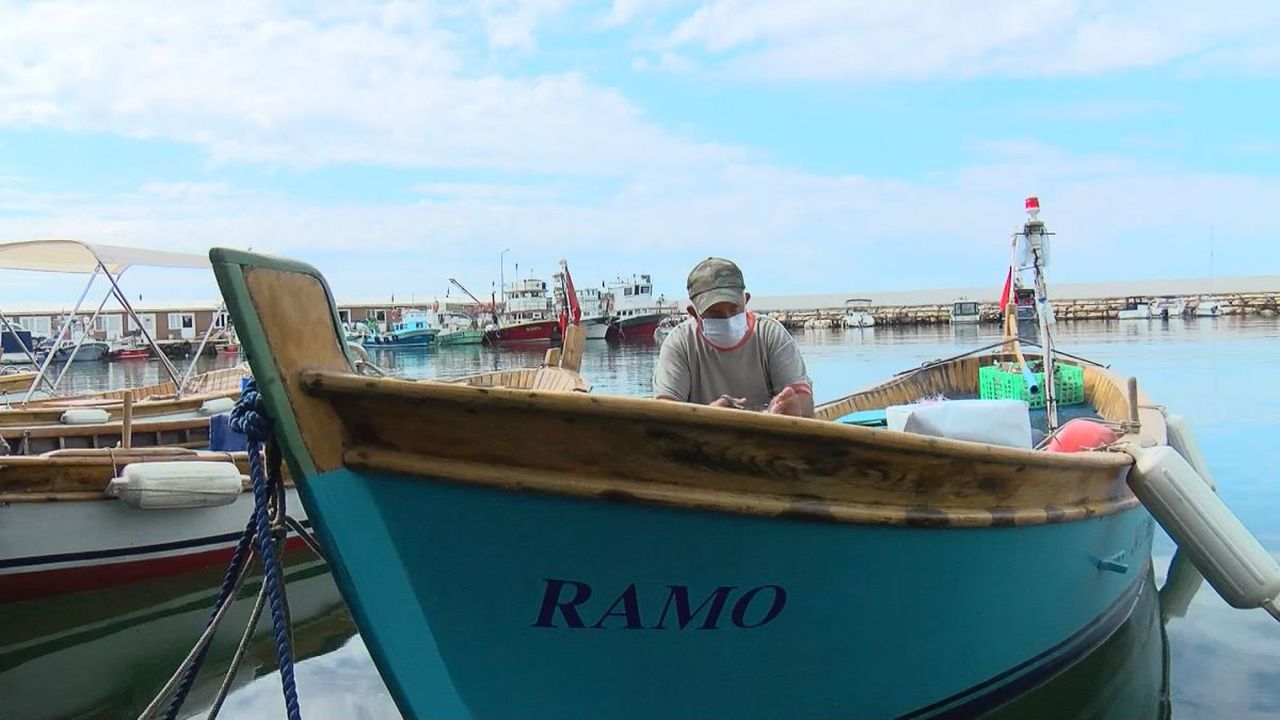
point(1181, 439)
point(1183, 580)
point(85, 416)
point(177, 484)
point(1231, 559)
point(214, 406)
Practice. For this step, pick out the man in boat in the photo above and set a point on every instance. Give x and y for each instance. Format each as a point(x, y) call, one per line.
point(728, 356)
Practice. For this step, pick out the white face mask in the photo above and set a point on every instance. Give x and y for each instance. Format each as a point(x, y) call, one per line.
point(725, 332)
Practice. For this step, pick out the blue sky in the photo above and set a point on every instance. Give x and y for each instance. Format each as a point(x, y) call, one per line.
point(829, 146)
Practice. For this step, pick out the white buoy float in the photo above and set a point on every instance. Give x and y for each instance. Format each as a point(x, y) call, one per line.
point(1214, 539)
point(177, 484)
point(214, 406)
point(85, 416)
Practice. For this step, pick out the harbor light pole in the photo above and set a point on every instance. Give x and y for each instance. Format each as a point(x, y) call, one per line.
point(502, 271)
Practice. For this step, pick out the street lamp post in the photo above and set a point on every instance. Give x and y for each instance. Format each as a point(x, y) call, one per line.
point(502, 273)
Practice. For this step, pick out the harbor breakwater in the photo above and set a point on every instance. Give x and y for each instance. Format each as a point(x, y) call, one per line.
point(1263, 304)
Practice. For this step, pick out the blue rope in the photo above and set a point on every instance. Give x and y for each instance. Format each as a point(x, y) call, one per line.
point(238, 559)
point(250, 418)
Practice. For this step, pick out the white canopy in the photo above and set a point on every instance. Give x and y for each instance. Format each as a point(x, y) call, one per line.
point(73, 256)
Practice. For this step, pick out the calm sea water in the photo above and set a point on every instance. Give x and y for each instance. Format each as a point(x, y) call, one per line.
point(105, 654)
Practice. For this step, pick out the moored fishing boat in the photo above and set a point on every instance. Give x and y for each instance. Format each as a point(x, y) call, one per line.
point(598, 319)
point(132, 348)
point(14, 379)
point(157, 414)
point(965, 312)
point(469, 336)
point(1135, 308)
point(638, 314)
point(857, 313)
point(527, 315)
point(62, 530)
point(697, 518)
point(413, 330)
point(1208, 307)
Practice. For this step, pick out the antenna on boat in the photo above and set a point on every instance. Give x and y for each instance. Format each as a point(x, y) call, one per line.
point(1037, 240)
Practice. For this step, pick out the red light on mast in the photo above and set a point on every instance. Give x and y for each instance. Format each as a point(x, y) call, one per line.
point(1033, 205)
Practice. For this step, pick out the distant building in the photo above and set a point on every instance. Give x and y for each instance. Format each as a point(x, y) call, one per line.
point(190, 322)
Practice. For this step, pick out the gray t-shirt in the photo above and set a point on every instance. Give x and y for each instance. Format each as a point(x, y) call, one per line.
point(766, 361)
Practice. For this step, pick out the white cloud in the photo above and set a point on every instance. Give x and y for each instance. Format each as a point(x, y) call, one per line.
point(371, 84)
point(623, 12)
point(185, 190)
point(386, 85)
point(511, 24)
point(793, 231)
point(342, 684)
point(886, 39)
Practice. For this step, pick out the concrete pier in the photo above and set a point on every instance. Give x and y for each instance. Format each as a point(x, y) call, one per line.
point(1240, 296)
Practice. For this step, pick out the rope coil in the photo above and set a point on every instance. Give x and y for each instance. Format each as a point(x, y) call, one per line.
point(263, 536)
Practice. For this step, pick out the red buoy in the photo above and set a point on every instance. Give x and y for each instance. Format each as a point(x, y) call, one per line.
point(1081, 434)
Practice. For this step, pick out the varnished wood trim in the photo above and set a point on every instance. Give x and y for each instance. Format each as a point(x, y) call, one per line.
point(679, 496)
point(77, 475)
point(295, 312)
point(49, 411)
point(346, 385)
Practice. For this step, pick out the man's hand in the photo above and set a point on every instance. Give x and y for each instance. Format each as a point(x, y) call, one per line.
point(790, 402)
point(728, 401)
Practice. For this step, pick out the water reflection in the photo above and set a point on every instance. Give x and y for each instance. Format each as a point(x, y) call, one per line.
point(1126, 678)
point(104, 654)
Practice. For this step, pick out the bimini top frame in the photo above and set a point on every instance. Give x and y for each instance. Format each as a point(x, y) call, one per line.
point(110, 261)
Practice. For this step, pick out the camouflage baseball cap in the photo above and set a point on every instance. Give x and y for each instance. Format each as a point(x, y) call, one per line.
point(715, 280)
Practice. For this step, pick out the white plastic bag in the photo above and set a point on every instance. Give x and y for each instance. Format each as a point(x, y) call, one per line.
point(996, 422)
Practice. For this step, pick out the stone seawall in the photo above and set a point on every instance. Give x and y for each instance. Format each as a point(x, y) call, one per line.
point(1265, 304)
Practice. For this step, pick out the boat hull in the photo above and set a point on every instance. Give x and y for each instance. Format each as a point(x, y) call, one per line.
point(531, 332)
point(640, 326)
point(461, 337)
point(480, 602)
point(88, 352)
point(131, 635)
point(411, 339)
point(599, 328)
point(16, 381)
point(49, 548)
point(129, 354)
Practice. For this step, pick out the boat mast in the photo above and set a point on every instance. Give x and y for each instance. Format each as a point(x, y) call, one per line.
point(1038, 246)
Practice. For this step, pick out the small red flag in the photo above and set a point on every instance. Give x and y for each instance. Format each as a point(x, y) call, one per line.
point(1008, 287)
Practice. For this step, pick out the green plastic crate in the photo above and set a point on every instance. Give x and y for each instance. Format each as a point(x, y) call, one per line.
point(996, 382)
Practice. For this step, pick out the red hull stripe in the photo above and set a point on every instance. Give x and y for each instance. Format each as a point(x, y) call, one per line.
point(112, 553)
point(43, 583)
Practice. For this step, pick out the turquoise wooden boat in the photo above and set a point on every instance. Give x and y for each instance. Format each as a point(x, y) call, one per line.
point(414, 330)
point(539, 554)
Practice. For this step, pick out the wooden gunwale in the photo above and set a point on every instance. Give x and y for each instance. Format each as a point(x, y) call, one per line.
point(108, 428)
point(639, 450)
point(331, 384)
point(710, 499)
point(16, 381)
point(180, 433)
point(83, 475)
point(50, 411)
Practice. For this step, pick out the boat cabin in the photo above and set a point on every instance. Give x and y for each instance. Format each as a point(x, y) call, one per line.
point(1025, 302)
point(527, 301)
point(412, 320)
point(965, 311)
